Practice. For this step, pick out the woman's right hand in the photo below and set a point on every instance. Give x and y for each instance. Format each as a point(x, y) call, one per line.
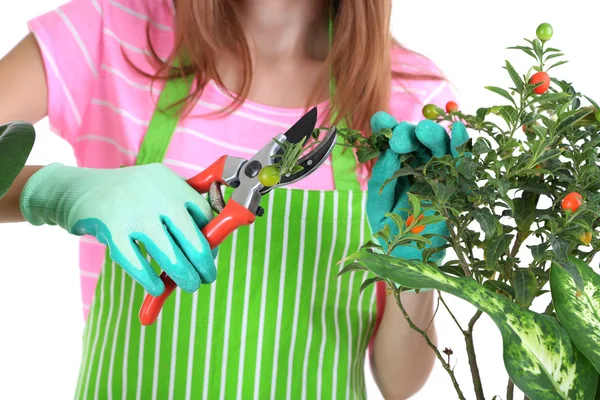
point(147, 204)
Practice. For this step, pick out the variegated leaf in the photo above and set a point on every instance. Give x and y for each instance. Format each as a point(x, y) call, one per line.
point(538, 354)
point(579, 315)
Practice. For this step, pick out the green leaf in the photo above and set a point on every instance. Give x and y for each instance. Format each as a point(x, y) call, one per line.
point(369, 282)
point(443, 192)
point(557, 64)
point(548, 97)
point(467, 167)
point(499, 285)
point(538, 251)
point(397, 220)
point(525, 284)
point(16, 142)
point(404, 171)
point(365, 154)
point(538, 354)
point(355, 266)
point(486, 220)
point(482, 112)
point(524, 210)
point(525, 49)
point(551, 56)
point(560, 247)
point(502, 93)
point(579, 315)
point(416, 204)
point(481, 147)
point(495, 248)
point(509, 114)
point(573, 272)
point(592, 102)
point(514, 76)
point(384, 234)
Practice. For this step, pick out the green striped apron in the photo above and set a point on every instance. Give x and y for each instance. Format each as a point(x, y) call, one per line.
point(276, 324)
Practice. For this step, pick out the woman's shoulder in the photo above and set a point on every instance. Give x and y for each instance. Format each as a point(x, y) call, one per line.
point(416, 81)
point(407, 61)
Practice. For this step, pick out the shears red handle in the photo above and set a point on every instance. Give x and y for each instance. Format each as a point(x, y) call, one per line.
point(233, 216)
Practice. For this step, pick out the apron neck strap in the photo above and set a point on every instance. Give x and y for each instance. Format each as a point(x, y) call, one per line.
point(164, 121)
point(343, 160)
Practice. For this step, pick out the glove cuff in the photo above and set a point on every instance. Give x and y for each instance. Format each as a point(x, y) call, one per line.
point(40, 200)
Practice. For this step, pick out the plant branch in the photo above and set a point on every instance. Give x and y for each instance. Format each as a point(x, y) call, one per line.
point(472, 357)
point(450, 312)
point(423, 333)
point(456, 245)
point(510, 388)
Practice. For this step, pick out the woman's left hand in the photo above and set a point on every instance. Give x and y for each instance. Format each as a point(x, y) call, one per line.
point(425, 140)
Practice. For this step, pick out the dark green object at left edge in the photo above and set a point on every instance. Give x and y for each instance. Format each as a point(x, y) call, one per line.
point(16, 142)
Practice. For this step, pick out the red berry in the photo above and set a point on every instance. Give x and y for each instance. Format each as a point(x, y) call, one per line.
point(572, 201)
point(451, 106)
point(542, 77)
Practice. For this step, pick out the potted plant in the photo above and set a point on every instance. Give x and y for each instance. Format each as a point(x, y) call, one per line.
point(522, 205)
point(16, 142)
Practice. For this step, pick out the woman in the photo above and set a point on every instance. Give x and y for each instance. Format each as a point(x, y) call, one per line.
point(275, 323)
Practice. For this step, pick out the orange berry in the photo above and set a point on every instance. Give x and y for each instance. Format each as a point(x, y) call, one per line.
point(409, 222)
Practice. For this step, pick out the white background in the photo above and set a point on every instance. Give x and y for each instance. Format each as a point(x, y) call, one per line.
point(40, 309)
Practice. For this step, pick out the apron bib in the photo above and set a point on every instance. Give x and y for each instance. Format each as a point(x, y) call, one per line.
point(276, 323)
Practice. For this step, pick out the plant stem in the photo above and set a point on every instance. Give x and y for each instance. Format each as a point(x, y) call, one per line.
point(516, 246)
point(456, 245)
point(449, 312)
point(423, 333)
point(472, 357)
point(510, 388)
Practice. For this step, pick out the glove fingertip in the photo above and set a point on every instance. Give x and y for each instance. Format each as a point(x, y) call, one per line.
point(459, 134)
point(382, 120)
point(200, 215)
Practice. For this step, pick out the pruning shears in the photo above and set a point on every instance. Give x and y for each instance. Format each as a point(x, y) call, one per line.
point(243, 206)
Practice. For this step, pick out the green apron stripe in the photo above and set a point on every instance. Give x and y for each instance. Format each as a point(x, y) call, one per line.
point(264, 291)
point(344, 335)
point(308, 251)
point(243, 307)
point(220, 389)
point(91, 361)
point(324, 374)
point(204, 330)
point(191, 346)
point(85, 362)
point(295, 303)
point(120, 286)
point(107, 332)
point(358, 364)
point(129, 352)
point(281, 296)
point(313, 287)
point(239, 272)
point(290, 285)
point(255, 282)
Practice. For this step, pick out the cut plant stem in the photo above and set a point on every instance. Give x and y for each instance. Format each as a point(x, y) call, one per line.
point(423, 333)
point(510, 388)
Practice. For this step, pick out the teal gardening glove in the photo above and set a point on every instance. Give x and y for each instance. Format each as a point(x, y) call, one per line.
point(426, 139)
point(148, 203)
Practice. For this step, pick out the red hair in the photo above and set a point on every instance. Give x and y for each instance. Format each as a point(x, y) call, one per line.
point(359, 60)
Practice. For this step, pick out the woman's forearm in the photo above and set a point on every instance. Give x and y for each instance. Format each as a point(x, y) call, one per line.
point(9, 204)
point(401, 359)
